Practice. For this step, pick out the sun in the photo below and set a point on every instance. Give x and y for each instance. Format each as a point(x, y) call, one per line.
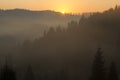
point(63, 12)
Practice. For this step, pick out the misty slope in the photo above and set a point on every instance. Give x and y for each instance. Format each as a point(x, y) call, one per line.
point(31, 24)
point(42, 17)
point(7, 43)
point(75, 46)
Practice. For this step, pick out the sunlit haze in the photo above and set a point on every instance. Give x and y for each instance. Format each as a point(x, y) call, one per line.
point(63, 6)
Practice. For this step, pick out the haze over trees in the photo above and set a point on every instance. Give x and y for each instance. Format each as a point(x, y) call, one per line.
point(28, 24)
point(70, 53)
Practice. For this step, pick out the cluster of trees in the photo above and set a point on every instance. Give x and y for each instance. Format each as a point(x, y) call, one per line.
point(71, 49)
point(9, 73)
point(98, 72)
point(67, 53)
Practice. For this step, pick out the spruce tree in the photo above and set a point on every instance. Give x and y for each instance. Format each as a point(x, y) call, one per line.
point(98, 69)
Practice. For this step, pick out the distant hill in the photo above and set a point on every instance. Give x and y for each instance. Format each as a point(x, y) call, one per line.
point(46, 17)
point(26, 24)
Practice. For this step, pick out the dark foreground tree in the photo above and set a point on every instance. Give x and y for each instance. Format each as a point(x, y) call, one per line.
point(7, 73)
point(113, 72)
point(98, 69)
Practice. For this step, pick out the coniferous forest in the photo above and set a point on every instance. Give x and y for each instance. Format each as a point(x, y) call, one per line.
point(88, 49)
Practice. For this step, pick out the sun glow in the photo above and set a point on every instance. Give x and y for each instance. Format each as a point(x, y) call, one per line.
point(63, 11)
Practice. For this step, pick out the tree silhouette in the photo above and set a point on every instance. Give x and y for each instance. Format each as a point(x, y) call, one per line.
point(7, 73)
point(98, 69)
point(29, 74)
point(113, 72)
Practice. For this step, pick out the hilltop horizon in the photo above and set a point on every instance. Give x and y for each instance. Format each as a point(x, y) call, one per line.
point(50, 10)
point(68, 6)
point(44, 11)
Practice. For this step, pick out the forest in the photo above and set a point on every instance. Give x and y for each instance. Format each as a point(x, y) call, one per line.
point(84, 50)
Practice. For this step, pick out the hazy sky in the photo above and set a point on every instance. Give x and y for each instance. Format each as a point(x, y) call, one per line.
point(69, 6)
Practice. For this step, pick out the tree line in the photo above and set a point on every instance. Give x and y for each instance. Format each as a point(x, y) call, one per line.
point(66, 53)
point(98, 71)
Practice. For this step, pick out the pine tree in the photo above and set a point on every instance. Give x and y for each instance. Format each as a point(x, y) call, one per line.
point(113, 72)
point(7, 73)
point(29, 74)
point(98, 69)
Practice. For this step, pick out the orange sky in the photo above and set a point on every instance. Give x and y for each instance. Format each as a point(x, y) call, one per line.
point(68, 6)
